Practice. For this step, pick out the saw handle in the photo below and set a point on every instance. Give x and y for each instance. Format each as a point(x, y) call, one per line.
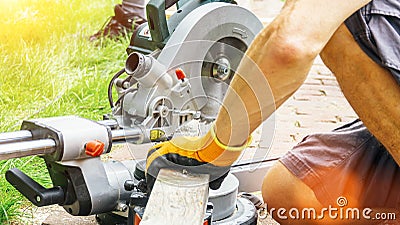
point(36, 193)
point(169, 3)
point(157, 20)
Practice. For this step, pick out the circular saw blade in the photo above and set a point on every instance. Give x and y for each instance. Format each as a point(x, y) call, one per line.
point(218, 68)
point(223, 58)
point(208, 45)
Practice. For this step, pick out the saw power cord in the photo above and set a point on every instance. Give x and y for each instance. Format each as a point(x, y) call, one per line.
point(131, 89)
point(110, 85)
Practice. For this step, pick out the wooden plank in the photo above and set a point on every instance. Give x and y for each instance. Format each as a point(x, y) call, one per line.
point(177, 199)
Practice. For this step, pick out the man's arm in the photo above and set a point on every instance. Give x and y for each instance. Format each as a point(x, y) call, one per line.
point(284, 52)
point(370, 89)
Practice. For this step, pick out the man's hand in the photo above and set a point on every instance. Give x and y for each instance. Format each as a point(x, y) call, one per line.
point(204, 155)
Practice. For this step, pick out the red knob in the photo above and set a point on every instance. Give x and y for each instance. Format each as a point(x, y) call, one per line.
point(94, 148)
point(180, 74)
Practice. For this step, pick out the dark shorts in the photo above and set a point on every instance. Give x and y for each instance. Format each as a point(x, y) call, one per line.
point(348, 162)
point(376, 28)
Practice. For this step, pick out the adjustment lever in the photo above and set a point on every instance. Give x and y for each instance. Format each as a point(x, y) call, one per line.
point(36, 193)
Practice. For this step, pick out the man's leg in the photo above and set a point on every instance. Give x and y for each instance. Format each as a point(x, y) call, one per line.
point(281, 189)
point(370, 89)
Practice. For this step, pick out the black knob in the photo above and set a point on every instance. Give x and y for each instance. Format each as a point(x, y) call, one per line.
point(142, 186)
point(129, 185)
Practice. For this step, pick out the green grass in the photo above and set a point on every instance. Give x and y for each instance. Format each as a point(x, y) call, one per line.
point(49, 68)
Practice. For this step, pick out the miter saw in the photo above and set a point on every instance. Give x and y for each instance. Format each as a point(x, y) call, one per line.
point(176, 74)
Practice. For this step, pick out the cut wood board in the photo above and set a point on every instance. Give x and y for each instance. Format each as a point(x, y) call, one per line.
point(177, 199)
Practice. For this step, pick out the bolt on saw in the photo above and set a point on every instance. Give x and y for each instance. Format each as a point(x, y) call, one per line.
point(174, 80)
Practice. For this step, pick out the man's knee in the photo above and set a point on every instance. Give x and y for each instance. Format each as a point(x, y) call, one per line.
point(283, 189)
point(282, 192)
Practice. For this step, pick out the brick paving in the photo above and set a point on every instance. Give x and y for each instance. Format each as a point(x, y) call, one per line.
point(318, 106)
